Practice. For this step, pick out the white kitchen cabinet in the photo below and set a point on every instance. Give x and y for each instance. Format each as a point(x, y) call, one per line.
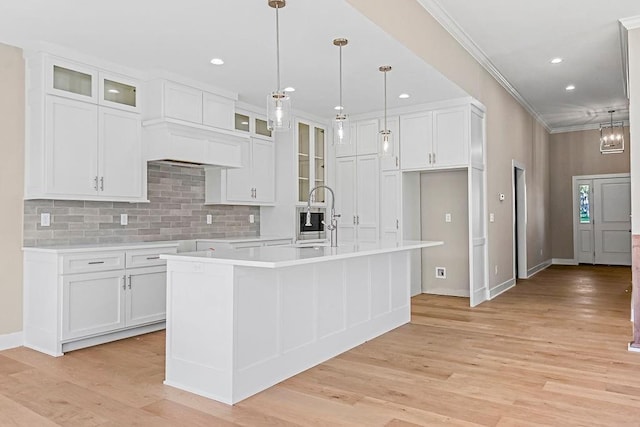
point(390, 205)
point(357, 198)
point(217, 111)
point(435, 139)
point(84, 140)
point(364, 139)
point(76, 298)
point(252, 184)
point(311, 152)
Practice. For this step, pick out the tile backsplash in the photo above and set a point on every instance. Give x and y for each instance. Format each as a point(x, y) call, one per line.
point(175, 211)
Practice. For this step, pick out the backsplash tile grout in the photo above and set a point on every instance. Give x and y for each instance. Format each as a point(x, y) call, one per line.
point(176, 211)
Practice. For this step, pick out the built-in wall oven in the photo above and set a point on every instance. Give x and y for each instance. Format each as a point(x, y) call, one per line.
point(316, 230)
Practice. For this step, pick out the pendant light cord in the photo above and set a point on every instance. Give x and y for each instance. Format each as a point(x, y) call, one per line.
point(341, 104)
point(278, 48)
point(385, 101)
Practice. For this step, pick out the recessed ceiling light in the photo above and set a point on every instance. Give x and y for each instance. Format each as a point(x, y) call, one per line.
point(404, 96)
point(338, 107)
point(556, 60)
point(217, 61)
point(289, 89)
point(113, 91)
point(570, 88)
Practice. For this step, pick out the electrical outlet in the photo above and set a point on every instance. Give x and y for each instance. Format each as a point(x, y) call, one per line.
point(209, 219)
point(252, 219)
point(495, 270)
point(124, 219)
point(540, 252)
point(492, 217)
point(447, 217)
point(441, 273)
point(45, 219)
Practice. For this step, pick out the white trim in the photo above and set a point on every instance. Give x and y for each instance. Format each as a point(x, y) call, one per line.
point(631, 23)
point(13, 340)
point(538, 268)
point(417, 108)
point(564, 261)
point(450, 25)
point(633, 349)
point(501, 288)
point(590, 126)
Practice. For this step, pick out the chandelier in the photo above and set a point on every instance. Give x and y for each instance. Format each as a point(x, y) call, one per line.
point(612, 136)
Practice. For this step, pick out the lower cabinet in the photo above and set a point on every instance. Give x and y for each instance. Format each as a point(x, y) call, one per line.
point(75, 299)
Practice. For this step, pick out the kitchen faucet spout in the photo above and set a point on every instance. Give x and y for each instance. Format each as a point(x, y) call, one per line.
point(333, 223)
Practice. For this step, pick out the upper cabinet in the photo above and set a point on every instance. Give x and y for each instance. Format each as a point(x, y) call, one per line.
point(364, 139)
point(311, 155)
point(435, 139)
point(84, 133)
point(170, 100)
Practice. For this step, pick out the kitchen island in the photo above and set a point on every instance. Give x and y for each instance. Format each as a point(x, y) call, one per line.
point(240, 321)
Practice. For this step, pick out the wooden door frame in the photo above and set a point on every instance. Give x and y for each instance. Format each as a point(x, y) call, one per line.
point(574, 197)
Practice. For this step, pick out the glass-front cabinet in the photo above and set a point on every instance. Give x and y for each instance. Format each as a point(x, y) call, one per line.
point(118, 92)
point(311, 139)
point(251, 123)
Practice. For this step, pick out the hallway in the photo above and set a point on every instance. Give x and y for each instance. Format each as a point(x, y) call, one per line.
point(551, 351)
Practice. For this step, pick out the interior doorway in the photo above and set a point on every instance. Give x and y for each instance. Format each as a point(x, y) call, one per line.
point(602, 219)
point(519, 221)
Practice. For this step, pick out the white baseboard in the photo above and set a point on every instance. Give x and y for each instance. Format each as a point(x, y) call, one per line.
point(502, 287)
point(13, 340)
point(538, 268)
point(564, 261)
point(633, 349)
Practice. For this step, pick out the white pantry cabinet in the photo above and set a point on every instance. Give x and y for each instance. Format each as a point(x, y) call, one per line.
point(435, 139)
point(390, 205)
point(357, 198)
point(252, 184)
point(75, 298)
point(84, 140)
point(364, 139)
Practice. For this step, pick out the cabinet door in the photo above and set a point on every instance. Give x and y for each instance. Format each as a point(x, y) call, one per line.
point(239, 180)
point(393, 162)
point(416, 141)
point(346, 198)
point(450, 137)
point(182, 103)
point(119, 92)
point(367, 194)
point(367, 137)
point(71, 148)
point(217, 111)
point(92, 303)
point(263, 161)
point(146, 299)
point(390, 206)
point(71, 80)
point(120, 157)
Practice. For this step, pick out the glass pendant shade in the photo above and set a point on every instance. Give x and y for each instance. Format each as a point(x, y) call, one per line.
point(385, 143)
point(341, 130)
point(278, 111)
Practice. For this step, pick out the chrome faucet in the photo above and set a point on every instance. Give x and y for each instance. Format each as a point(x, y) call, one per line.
point(333, 223)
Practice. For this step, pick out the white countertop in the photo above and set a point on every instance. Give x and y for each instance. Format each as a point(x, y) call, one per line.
point(102, 247)
point(287, 256)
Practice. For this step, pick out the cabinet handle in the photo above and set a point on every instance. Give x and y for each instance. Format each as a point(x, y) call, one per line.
point(124, 283)
point(429, 158)
point(129, 281)
point(434, 158)
point(95, 183)
point(397, 224)
point(354, 220)
point(102, 183)
point(396, 161)
point(358, 219)
point(154, 257)
point(255, 193)
point(96, 262)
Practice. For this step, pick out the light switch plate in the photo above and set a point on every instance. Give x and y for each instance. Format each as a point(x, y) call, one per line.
point(447, 217)
point(492, 217)
point(124, 219)
point(45, 219)
point(209, 219)
point(252, 219)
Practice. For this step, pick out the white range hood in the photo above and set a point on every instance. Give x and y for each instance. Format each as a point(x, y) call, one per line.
point(181, 142)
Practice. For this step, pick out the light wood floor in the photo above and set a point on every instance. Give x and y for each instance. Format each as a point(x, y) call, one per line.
point(551, 351)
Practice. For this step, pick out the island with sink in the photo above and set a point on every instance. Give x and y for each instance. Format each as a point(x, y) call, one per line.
point(242, 320)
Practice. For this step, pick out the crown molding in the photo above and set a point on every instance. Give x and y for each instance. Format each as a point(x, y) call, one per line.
point(451, 26)
point(579, 128)
point(631, 23)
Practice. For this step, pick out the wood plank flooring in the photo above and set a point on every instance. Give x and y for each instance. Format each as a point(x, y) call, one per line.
point(551, 351)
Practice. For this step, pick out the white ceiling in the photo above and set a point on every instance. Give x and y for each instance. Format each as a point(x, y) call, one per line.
point(182, 36)
point(521, 37)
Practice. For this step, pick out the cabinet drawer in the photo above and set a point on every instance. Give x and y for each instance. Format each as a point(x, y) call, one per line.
point(92, 261)
point(148, 257)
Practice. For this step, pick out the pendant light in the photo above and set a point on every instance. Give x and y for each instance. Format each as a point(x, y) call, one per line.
point(341, 125)
point(612, 136)
point(385, 137)
point(278, 102)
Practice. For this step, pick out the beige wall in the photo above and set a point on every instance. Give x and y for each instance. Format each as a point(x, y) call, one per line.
point(441, 193)
point(572, 154)
point(12, 111)
point(512, 133)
